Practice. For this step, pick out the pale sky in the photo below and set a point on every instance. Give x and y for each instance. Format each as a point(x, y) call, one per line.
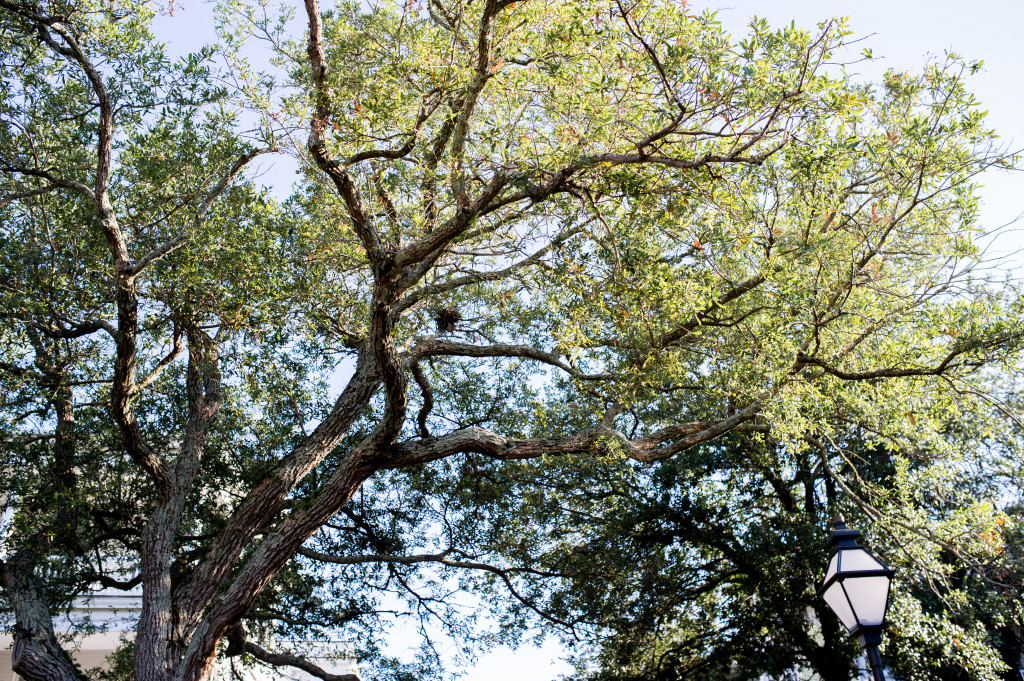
point(900, 33)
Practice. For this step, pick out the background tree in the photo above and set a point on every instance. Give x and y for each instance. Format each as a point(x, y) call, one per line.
point(705, 566)
point(598, 231)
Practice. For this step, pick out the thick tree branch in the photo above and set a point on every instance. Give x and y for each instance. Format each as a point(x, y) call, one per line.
point(367, 233)
point(77, 330)
point(289, 660)
point(37, 654)
point(704, 315)
point(420, 255)
point(600, 438)
point(111, 583)
point(251, 513)
point(389, 364)
point(269, 556)
point(157, 642)
point(400, 152)
point(430, 161)
point(481, 75)
point(54, 181)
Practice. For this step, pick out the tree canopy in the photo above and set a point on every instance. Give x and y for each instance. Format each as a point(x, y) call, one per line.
point(587, 312)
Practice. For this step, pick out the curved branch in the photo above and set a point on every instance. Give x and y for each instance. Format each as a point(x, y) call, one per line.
point(735, 156)
point(704, 315)
point(420, 255)
point(176, 348)
point(559, 180)
point(653, 56)
point(401, 151)
point(428, 398)
point(481, 75)
point(435, 347)
point(124, 289)
point(289, 660)
point(28, 194)
point(73, 52)
point(947, 363)
point(54, 181)
point(78, 329)
point(599, 438)
point(111, 583)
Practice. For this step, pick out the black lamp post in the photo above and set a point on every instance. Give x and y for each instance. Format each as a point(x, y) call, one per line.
point(856, 587)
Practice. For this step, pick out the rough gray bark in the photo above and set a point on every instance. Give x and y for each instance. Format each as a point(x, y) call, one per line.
point(266, 499)
point(39, 656)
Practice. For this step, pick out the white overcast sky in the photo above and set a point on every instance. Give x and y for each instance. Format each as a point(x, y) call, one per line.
point(900, 33)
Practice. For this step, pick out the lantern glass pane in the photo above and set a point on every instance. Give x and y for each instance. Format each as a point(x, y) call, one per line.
point(858, 559)
point(868, 596)
point(832, 567)
point(836, 600)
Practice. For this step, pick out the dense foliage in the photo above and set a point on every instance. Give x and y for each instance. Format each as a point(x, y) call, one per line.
point(583, 316)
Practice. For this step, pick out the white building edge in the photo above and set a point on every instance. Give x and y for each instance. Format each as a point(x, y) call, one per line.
point(114, 614)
